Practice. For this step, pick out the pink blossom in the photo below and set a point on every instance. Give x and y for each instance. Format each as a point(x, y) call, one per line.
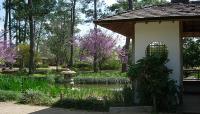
point(7, 54)
point(97, 43)
point(122, 54)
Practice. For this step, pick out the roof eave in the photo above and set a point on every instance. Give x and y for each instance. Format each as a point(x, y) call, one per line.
point(169, 18)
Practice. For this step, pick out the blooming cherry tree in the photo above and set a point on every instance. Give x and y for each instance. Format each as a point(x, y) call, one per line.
point(97, 44)
point(7, 54)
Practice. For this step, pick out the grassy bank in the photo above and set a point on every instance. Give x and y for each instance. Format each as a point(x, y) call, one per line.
point(45, 91)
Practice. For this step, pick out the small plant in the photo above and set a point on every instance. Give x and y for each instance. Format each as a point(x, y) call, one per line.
point(9, 96)
point(34, 97)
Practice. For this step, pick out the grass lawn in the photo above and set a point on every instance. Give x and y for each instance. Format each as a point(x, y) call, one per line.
point(42, 89)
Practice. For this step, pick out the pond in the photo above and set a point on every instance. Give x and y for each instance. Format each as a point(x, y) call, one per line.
point(112, 87)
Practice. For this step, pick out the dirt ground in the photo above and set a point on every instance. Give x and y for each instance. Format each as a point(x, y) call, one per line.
point(12, 108)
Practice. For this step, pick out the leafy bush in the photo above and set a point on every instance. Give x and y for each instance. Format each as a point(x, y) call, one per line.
point(35, 97)
point(191, 53)
point(154, 83)
point(128, 95)
point(83, 66)
point(111, 65)
point(51, 78)
point(9, 96)
point(24, 53)
point(84, 104)
point(42, 66)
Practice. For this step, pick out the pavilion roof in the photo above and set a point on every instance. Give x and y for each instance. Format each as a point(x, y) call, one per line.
point(124, 23)
point(163, 11)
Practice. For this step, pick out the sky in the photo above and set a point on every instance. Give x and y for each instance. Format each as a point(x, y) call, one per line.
point(108, 2)
point(1, 15)
point(84, 28)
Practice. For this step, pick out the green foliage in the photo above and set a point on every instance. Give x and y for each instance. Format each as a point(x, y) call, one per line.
point(51, 78)
point(122, 5)
point(86, 104)
point(9, 96)
point(191, 53)
point(24, 54)
point(43, 90)
point(128, 95)
point(83, 66)
point(119, 6)
point(111, 64)
point(20, 83)
point(98, 103)
point(154, 82)
point(35, 97)
point(43, 66)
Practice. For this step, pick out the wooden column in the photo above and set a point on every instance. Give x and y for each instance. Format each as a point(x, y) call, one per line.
point(181, 60)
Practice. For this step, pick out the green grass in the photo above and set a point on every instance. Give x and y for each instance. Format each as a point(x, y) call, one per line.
point(30, 88)
point(23, 83)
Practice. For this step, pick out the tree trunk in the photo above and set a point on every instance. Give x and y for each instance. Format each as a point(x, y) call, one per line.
point(38, 37)
point(19, 29)
point(32, 40)
point(95, 62)
point(130, 4)
point(25, 31)
point(73, 19)
point(6, 23)
point(16, 35)
point(124, 65)
point(10, 34)
point(154, 104)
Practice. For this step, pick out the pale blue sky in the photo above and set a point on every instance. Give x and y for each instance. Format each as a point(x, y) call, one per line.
point(1, 14)
point(109, 2)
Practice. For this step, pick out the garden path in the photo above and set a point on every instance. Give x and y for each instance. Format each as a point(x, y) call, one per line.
point(12, 108)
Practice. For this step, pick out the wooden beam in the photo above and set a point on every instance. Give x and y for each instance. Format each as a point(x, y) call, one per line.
point(123, 28)
point(190, 34)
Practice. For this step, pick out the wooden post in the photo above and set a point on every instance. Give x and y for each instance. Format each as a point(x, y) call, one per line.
point(181, 62)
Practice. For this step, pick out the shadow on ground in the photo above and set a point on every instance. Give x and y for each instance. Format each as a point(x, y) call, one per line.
point(63, 111)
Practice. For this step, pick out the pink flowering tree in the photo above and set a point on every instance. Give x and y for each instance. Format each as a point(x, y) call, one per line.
point(123, 55)
point(7, 54)
point(97, 45)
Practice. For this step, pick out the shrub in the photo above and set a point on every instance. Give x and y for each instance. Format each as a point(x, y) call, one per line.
point(51, 78)
point(154, 83)
point(24, 53)
point(35, 97)
point(83, 66)
point(9, 96)
point(128, 95)
point(84, 104)
point(42, 66)
point(111, 65)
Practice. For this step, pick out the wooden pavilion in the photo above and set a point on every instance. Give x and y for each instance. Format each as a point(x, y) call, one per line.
point(165, 24)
